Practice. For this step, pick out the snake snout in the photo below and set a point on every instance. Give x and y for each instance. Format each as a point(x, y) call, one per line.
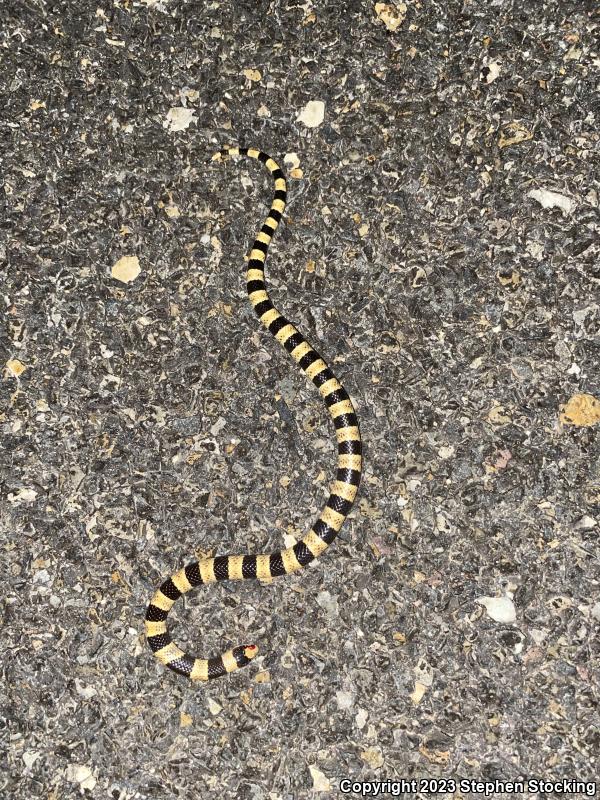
point(250, 651)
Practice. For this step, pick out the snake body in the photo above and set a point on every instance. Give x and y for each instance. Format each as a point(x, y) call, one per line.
point(343, 490)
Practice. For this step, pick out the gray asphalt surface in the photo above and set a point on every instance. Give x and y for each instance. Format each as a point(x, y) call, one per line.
point(440, 249)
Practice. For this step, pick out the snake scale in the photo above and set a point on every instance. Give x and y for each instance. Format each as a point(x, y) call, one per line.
point(343, 490)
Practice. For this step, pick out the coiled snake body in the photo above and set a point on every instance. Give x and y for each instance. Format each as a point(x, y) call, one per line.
point(343, 490)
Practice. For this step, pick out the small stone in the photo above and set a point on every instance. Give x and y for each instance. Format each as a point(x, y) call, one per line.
point(253, 74)
point(581, 410)
point(373, 756)
point(491, 71)
point(30, 757)
point(435, 756)
point(179, 118)
point(586, 523)
point(126, 269)
point(418, 692)
point(548, 199)
point(77, 773)
point(514, 133)
point(292, 160)
point(392, 16)
point(313, 114)
point(500, 609)
point(218, 426)
point(573, 54)
point(328, 603)
point(214, 707)
point(22, 496)
point(191, 94)
point(84, 691)
point(321, 782)
point(42, 576)
point(559, 603)
point(185, 720)
point(14, 367)
point(423, 672)
point(446, 452)
point(361, 718)
point(344, 699)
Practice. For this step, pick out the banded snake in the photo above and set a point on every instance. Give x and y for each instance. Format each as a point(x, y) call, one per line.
point(343, 490)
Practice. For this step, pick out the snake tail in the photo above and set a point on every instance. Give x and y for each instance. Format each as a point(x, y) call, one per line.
point(342, 491)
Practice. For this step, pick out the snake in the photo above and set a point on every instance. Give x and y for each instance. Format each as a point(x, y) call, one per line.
point(343, 489)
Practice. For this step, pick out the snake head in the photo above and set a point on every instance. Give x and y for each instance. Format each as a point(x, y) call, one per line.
point(250, 651)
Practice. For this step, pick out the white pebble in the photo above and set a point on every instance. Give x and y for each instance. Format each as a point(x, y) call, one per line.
point(586, 523)
point(30, 757)
point(493, 71)
point(214, 707)
point(344, 699)
point(500, 609)
point(85, 691)
point(313, 114)
point(548, 199)
point(41, 576)
point(22, 496)
point(291, 160)
point(321, 782)
point(361, 718)
point(78, 773)
point(328, 603)
point(179, 118)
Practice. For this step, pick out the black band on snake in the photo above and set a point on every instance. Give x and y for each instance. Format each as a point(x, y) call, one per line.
point(343, 489)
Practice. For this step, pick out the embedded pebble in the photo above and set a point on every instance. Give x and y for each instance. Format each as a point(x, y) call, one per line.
point(214, 707)
point(313, 114)
point(126, 269)
point(392, 15)
point(81, 774)
point(30, 757)
point(549, 199)
point(321, 782)
point(500, 609)
point(361, 718)
point(373, 757)
point(328, 603)
point(344, 699)
point(22, 496)
point(418, 692)
point(179, 118)
point(14, 367)
point(253, 75)
point(581, 410)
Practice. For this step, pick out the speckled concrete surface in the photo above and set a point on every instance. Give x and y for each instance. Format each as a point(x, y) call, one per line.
point(441, 250)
